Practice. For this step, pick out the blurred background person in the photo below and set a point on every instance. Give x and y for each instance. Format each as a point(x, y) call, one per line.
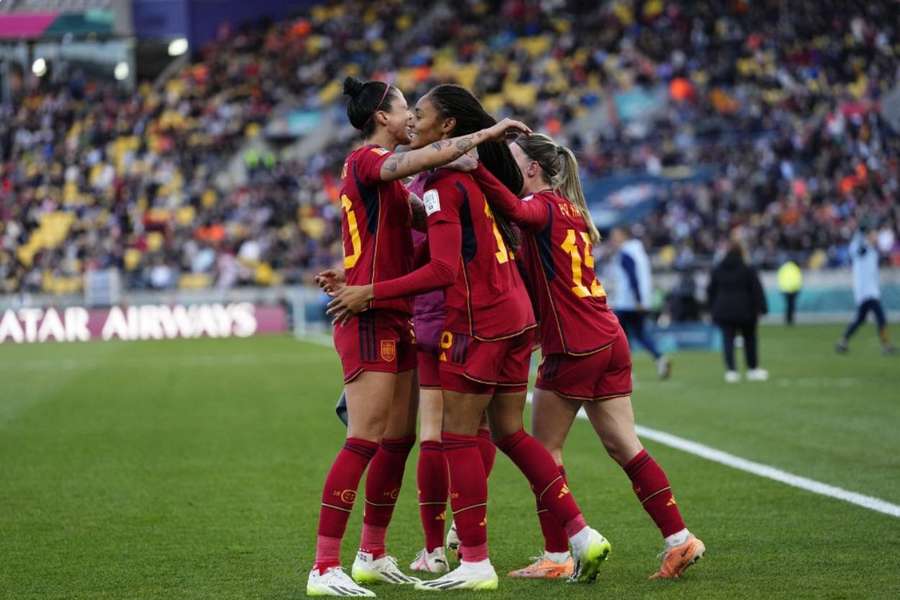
point(631, 294)
point(790, 281)
point(866, 289)
point(736, 300)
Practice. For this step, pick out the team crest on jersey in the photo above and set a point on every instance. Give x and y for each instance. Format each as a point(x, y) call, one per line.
point(388, 350)
point(380, 151)
point(432, 202)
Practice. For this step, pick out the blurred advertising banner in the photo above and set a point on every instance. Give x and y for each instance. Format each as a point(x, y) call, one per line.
point(146, 322)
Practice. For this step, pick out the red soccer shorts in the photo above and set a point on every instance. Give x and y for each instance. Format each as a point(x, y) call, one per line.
point(375, 340)
point(471, 366)
point(602, 375)
point(429, 370)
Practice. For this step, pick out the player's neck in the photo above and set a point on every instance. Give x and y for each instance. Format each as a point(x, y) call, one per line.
point(384, 139)
point(534, 186)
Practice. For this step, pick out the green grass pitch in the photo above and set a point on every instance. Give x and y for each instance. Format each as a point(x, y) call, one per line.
point(192, 469)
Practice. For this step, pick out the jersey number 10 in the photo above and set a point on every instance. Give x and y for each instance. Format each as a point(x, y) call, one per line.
point(569, 245)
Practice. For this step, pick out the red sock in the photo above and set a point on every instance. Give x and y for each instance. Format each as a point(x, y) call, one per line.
point(337, 499)
point(487, 449)
point(431, 476)
point(382, 489)
point(548, 484)
point(652, 488)
point(555, 538)
point(468, 494)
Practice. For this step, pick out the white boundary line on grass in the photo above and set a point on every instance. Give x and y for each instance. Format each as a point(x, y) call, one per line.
point(742, 464)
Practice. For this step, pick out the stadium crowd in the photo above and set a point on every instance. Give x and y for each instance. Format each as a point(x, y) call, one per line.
point(783, 102)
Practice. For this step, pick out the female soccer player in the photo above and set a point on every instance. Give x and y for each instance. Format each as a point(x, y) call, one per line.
point(485, 347)
point(376, 348)
point(586, 357)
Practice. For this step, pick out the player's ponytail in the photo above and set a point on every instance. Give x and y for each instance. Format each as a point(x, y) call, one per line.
point(366, 98)
point(454, 101)
point(560, 172)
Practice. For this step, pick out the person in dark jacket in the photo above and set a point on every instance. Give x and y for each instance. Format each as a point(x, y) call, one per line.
point(736, 300)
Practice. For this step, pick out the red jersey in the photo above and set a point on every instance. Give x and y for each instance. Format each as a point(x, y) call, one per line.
point(556, 255)
point(375, 228)
point(485, 296)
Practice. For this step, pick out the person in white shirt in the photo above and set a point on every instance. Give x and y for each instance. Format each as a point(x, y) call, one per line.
point(866, 290)
point(631, 293)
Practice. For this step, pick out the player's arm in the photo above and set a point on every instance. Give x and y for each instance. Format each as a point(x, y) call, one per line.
point(444, 245)
point(531, 215)
point(404, 164)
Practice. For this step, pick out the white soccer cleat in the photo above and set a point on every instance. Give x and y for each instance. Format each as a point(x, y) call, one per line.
point(757, 375)
point(452, 538)
point(590, 550)
point(367, 569)
point(430, 562)
point(334, 582)
point(476, 577)
point(732, 377)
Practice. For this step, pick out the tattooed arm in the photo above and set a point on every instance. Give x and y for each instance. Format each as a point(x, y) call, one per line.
point(442, 152)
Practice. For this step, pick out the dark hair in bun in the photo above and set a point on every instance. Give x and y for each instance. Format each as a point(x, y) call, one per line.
point(366, 98)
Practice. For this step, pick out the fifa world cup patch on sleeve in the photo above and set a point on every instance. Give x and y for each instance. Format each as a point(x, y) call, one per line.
point(432, 202)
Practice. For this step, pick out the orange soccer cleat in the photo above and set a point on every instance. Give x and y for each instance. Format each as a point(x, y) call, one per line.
point(545, 568)
point(676, 560)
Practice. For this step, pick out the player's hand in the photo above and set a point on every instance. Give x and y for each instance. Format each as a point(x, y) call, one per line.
point(331, 280)
point(351, 299)
point(507, 126)
point(465, 163)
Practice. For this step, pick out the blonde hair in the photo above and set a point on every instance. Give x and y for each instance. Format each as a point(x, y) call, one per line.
point(561, 172)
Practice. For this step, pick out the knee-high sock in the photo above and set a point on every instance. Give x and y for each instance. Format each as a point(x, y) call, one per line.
point(487, 449)
point(383, 484)
point(468, 494)
point(654, 492)
point(555, 538)
point(432, 480)
point(338, 496)
point(548, 484)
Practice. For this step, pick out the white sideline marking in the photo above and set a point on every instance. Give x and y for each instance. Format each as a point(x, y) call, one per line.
point(761, 470)
point(749, 466)
point(742, 464)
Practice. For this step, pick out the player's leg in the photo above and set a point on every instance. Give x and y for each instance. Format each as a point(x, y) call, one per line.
point(728, 334)
point(549, 486)
point(431, 478)
point(881, 323)
point(383, 482)
point(369, 398)
point(861, 311)
point(750, 333)
point(551, 419)
point(464, 404)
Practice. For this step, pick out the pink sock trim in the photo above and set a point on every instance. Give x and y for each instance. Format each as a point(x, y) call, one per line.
point(328, 552)
point(372, 540)
point(575, 525)
point(474, 553)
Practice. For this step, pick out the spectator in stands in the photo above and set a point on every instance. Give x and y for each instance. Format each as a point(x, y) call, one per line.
point(632, 288)
point(736, 301)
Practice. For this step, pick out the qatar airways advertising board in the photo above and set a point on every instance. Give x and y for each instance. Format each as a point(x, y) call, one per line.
point(146, 322)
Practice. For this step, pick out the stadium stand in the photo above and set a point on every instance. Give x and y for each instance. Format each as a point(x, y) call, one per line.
point(787, 112)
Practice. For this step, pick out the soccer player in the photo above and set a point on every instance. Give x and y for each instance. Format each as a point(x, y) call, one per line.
point(586, 362)
point(376, 348)
point(631, 294)
point(866, 290)
point(485, 347)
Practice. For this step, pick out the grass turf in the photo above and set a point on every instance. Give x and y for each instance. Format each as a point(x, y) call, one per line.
point(192, 469)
